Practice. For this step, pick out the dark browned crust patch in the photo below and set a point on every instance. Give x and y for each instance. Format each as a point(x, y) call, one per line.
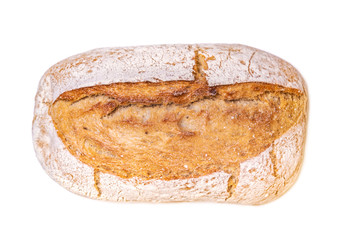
point(173, 130)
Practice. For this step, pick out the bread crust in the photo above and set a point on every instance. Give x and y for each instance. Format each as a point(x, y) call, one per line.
point(261, 179)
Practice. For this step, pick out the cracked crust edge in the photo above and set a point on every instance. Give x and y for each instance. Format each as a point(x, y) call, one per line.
point(81, 179)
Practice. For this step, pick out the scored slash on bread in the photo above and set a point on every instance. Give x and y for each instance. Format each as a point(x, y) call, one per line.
point(172, 123)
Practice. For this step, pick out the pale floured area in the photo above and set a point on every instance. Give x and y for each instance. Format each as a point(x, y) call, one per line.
point(261, 178)
point(270, 174)
point(60, 165)
point(234, 63)
point(110, 65)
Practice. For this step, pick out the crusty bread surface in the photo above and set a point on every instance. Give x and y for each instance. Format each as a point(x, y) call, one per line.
point(163, 123)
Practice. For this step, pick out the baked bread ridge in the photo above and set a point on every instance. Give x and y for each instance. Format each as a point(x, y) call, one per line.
point(262, 178)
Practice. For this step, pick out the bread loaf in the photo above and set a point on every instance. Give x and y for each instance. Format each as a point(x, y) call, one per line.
point(207, 122)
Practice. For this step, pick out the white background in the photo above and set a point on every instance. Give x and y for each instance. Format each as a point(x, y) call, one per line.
point(320, 38)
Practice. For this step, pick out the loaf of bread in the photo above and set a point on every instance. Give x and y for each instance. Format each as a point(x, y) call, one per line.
point(207, 122)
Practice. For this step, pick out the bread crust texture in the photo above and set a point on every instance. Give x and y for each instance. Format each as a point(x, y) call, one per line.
point(259, 179)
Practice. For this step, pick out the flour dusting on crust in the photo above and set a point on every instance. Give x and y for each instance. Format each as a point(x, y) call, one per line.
point(261, 179)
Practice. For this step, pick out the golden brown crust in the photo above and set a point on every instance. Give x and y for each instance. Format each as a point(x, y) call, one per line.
point(261, 178)
point(144, 93)
point(173, 130)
